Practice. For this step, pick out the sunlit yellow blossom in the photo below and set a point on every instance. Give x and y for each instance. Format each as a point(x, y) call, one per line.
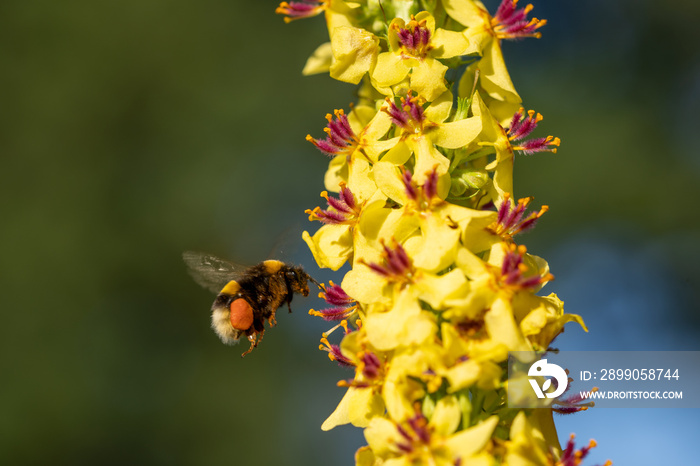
point(354, 141)
point(419, 440)
point(363, 399)
point(414, 48)
point(332, 244)
point(422, 129)
point(531, 444)
point(484, 33)
point(404, 324)
point(542, 318)
point(440, 222)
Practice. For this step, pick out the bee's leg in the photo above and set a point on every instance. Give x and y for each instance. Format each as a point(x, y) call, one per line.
point(254, 341)
point(272, 320)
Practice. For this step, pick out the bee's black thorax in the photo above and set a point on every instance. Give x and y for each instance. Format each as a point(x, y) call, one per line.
point(267, 287)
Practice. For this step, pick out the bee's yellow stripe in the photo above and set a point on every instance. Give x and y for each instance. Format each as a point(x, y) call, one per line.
point(273, 266)
point(231, 288)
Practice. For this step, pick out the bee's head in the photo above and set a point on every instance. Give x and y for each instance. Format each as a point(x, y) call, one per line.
point(298, 280)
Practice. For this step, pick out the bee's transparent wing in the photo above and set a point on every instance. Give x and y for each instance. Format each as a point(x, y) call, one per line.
point(210, 271)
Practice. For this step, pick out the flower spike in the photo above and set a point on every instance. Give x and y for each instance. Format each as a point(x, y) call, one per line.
point(434, 288)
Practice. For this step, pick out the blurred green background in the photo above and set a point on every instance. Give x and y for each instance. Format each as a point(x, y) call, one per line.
point(131, 131)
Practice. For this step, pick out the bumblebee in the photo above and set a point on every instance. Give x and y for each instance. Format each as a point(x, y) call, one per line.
point(247, 297)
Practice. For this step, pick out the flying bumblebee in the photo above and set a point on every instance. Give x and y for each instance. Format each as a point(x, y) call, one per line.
point(246, 296)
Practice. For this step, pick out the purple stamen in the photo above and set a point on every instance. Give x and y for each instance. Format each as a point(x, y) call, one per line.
point(340, 138)
point(430, 185)
point(512, 23)
point(300, 9)
point(407, 179)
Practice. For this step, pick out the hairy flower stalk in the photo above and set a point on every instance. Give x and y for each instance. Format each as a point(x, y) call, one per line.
point(439, 289)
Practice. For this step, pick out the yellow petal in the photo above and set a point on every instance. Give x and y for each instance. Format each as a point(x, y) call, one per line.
point(502, 328)
point(448, 44)
point(364, 285)
point(337, 172)
point(379, 222)
point(495, 79)
point(381, 435)
point(437, 290)
point(428, 78)
point(440, 108)
point(476, 237)
point(389, 180)
point(468, 442)
point(357, 407)
point(390, 69)
point(364, 457)
point(405, 324)
point(398, 155)
point(463, 375)
point(438, 248)
point(446, 416)
point(526, 446)
point(456, 134)
point(354, 53)
point(427, 158)
point(400, 393)
point(467, 12)
point(331, 246)
point(360, 181)
point(319, 61)
point(361, 115)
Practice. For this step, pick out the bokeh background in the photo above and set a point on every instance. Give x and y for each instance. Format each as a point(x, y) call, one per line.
point(131, 131)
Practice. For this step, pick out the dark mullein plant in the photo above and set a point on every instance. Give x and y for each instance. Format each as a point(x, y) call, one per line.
point(439, 290)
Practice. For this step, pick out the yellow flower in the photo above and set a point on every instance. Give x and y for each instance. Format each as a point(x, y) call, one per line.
point(484, 33)
point(527, 445)
point(542, 318)
point(332, 245)
point(533, 442)
point(419, 440)
point(414, 50)
point(403, 324)
point(363, 399)
point(354, 141)
point(423, 128)
point(505, 142)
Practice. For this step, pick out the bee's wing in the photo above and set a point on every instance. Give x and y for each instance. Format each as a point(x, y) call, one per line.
point(210, 271)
